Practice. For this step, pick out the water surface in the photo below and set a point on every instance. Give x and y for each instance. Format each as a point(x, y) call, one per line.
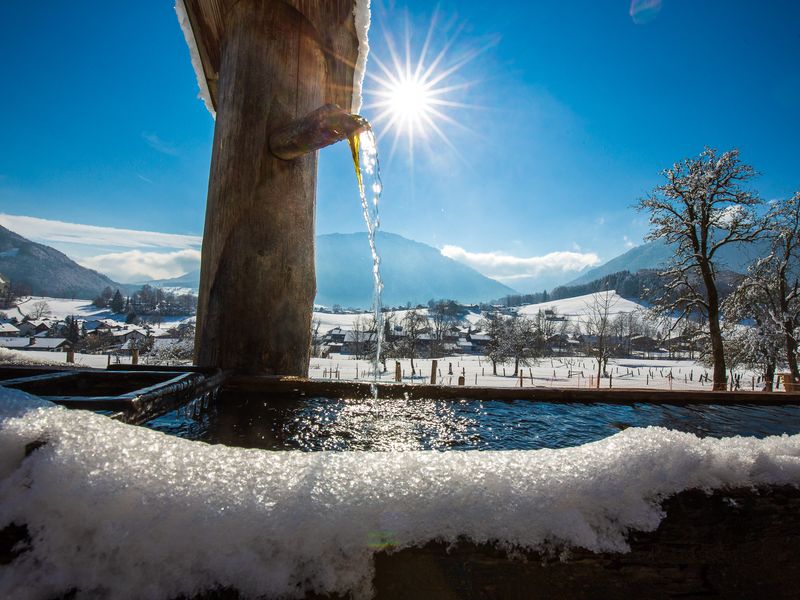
point(391, 425)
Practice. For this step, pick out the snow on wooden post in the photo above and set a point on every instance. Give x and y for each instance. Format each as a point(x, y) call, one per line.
point(265, 67)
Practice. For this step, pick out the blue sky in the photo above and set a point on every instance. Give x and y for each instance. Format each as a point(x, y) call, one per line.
point(577, 107)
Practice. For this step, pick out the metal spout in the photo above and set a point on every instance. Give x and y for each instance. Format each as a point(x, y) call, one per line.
point(325, 126)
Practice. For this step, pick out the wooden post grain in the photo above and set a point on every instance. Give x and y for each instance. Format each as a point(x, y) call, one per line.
point(257, 281)
point(434, 365)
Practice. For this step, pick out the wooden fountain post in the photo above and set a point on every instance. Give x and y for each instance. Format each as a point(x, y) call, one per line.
point(268, 65)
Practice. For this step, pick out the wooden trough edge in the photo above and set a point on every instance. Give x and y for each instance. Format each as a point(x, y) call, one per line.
point(730, 543)
point(298, 387)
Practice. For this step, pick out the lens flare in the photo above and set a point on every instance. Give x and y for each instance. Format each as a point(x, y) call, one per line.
point(413, 96)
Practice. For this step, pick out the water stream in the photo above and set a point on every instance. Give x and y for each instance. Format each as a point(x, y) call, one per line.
point(364, 148)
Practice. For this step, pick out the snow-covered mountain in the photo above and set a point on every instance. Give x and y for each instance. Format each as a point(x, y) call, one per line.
point(652, 255)
point(44, 271)
point(412, 272)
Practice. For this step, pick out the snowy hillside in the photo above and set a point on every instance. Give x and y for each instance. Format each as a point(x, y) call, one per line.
point(652, 255)
point(576, 309)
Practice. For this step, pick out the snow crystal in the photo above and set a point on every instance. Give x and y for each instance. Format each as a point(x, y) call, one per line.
point(197, 64)
point(109, 505)
point(361, 12)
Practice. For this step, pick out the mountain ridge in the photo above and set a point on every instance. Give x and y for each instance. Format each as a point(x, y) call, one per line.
point(412, 272)
point(652, 255)
point(44, 271)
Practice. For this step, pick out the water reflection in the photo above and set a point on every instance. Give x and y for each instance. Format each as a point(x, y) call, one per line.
point(404, 424)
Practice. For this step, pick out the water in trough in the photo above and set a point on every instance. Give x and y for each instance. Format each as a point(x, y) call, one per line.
point(395, 425)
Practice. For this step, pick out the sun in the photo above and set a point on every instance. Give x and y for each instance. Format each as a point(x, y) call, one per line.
point(412, 98)
point(408, 98)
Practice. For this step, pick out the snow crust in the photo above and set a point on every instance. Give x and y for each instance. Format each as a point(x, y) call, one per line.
point(197, 65)
point(122, 511)
point(361, 13)
point(13, 357)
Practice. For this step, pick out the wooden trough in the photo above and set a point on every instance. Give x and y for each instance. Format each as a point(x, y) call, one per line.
point(737, 543)
point(133, 396)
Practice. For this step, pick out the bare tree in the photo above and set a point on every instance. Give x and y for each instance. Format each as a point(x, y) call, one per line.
point(497, 349)
point(363, 336)
point(599, 328)
point(316, 338)
point(702, 207)
point(39, 310)
point(415, 324)
point(522, 341)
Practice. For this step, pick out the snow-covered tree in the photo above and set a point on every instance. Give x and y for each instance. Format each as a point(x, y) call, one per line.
point(771, 290)
point(702, 207)
point(599, 328)
point(522, 340)
point(415, 324)
point(497, 348)
point(757, 345)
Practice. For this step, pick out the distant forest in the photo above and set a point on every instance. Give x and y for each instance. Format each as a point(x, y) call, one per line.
point(639, 286)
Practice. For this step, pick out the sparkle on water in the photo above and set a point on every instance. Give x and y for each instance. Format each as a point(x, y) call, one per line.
point(386, 424)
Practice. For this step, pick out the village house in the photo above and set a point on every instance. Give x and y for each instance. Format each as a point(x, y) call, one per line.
point(33, 327)
point(8, 330)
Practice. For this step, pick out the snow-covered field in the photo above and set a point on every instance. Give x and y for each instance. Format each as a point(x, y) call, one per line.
point(572, 372)
point(61, 308)
point(548, 372)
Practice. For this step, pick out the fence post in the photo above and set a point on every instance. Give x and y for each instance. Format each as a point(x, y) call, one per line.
point(134, 356)
point(461, 380)
point(397, 371)
point(434, 366)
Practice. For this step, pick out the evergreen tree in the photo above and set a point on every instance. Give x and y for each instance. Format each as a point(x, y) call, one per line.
point(117, 303)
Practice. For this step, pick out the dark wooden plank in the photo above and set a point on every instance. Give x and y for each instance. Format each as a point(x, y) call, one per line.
point(739, 543)
point(57, 377)
point(292, 387)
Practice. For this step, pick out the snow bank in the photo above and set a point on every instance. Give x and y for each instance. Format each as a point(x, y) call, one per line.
point(11, 357)
point(197, 64)
point(361, 13)
point(120, 511)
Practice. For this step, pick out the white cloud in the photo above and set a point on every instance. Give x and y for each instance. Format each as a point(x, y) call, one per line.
point(48, 232)
point(628, 242)
point(159, 145)
point(135, 265)
point(508, 268)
